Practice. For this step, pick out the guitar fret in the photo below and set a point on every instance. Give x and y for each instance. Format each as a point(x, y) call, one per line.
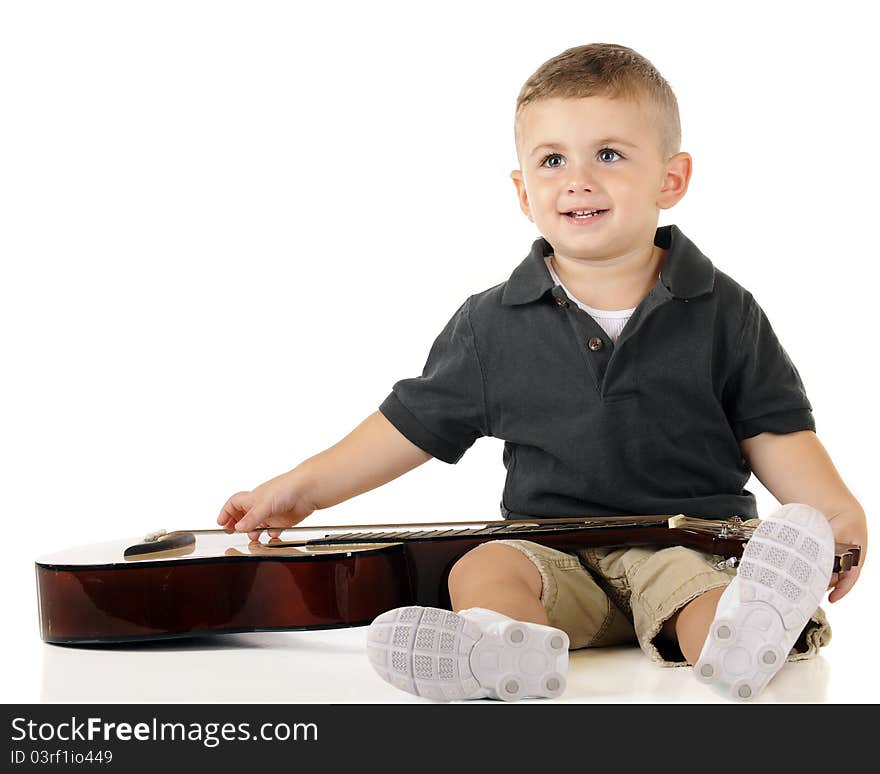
point(355, 537)
point(492, 529)
point(555, 527)
point(366, 537)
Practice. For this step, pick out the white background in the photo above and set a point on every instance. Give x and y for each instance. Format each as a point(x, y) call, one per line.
point(227, 228)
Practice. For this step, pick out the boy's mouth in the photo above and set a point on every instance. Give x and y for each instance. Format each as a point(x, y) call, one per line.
point(584, 216)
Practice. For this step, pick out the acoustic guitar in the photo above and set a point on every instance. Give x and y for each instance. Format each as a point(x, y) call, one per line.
point(205, 581)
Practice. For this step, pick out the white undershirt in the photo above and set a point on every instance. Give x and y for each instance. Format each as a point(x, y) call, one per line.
point(611, 321)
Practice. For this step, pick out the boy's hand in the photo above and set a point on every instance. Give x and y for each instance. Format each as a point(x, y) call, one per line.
point(848, 526)
point(280, 502)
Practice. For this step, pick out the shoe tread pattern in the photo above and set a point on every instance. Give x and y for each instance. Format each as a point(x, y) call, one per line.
point(438, 654)
point(780, 582)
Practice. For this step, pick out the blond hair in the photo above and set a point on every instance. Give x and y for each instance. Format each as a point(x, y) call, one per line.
point(606, 70)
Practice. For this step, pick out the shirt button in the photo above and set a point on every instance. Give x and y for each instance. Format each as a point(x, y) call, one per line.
point(595, 343)
point(560, 301)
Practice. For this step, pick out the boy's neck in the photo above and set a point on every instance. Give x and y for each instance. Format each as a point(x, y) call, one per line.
point(611, 285)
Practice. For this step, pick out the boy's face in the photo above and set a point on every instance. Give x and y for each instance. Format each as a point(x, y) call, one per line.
point(595, 153)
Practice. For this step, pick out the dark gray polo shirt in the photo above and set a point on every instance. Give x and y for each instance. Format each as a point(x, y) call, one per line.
point(648, 425)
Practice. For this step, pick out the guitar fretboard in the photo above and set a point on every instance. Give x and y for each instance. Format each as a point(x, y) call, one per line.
point(513, 527)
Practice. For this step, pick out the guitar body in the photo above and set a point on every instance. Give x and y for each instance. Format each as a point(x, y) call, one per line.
point(186, 584)
point(155, 599)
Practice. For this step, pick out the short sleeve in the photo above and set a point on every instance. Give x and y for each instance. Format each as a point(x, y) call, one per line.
point(443, 410)
point(764, 392)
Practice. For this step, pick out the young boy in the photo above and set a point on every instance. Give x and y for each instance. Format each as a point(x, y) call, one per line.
point(626, 375)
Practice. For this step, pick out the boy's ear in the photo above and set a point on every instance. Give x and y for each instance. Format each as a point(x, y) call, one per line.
point(676, 180)
point(521, 193)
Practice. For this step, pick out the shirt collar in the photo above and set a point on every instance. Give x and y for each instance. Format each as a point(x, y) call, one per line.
point(686, 273)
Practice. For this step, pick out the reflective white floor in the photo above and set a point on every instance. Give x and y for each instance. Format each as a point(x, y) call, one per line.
point(331, 667)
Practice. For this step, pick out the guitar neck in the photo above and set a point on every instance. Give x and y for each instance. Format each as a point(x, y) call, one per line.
point(396, 532)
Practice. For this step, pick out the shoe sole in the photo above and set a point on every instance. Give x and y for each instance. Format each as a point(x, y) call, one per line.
point(441, 655)
point(781, 580)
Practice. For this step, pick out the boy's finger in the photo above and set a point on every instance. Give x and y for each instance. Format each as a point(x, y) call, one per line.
point(839, 593)
point(253, 518)
point(231, 508)
point(847, 581)
point(245, 525)
point(227, 520)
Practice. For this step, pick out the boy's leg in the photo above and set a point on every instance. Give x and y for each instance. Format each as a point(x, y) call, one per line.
point(539, 584)
point(690, 625)
point(740, 635)
point(500, 578)
point(497, 644)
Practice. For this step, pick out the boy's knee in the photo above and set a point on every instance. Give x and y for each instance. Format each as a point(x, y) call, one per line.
point(493, 562)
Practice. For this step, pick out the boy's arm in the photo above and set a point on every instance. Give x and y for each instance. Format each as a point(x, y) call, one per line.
point(796, 468)
point(372, 454)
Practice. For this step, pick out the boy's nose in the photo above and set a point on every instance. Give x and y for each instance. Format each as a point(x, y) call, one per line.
point(580, 182)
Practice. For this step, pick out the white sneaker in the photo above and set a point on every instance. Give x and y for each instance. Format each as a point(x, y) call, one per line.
point(472, 654)
point(781, 580)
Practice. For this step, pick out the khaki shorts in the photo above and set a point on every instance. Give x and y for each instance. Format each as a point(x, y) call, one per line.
point(612, 596)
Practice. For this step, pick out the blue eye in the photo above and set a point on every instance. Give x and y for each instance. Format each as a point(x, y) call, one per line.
point(610, 150)
point(554, 166)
